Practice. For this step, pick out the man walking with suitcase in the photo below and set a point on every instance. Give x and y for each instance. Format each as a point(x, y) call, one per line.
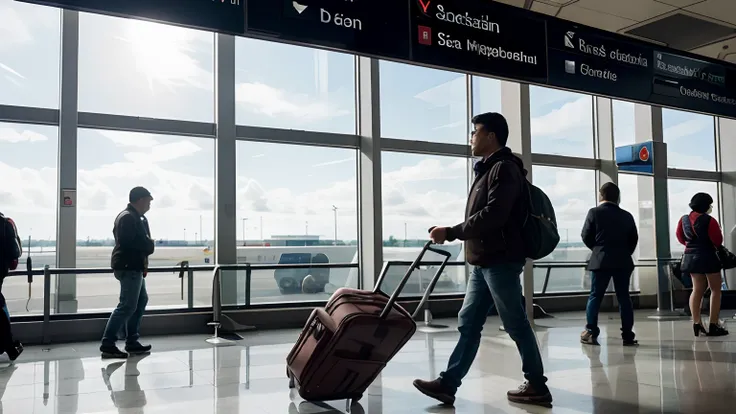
point(495, 214)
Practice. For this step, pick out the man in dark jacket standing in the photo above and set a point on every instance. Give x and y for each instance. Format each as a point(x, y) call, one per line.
point(610, 232)
point(133, 245)
point(494, 217)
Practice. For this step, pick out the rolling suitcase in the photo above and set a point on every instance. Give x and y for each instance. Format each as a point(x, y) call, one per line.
point(346, 344)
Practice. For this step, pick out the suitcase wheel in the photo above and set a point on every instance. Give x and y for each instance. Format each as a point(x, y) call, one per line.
point(292, 383)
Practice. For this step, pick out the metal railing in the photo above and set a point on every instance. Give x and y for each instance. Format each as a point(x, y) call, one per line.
point(567, 265)
point(184, 269)
point(217, 316)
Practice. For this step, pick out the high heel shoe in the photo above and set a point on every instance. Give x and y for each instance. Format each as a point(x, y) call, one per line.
point(698, 328)
point(716, 330)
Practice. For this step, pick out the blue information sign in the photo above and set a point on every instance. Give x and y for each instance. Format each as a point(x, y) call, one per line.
point(637, 158)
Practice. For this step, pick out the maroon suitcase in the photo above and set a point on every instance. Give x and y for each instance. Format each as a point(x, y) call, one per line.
point(346, 344)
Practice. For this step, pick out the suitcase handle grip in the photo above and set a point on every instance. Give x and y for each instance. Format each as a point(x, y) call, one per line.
point(415, 265)
point(432, 249)
point(325, 320)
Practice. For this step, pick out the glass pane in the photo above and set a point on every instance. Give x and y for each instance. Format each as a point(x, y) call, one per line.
point(679, 193)
point(423, 104)
point(421, 191)
point(691, 140)
point(636, 198)
point(486, 95)
point(29, 54)
point(572, 193)
point(304, 213)
point(292, 87)
point(28, 156)
point(562, 122)
point(179, 172)
point(137, 68)
point(623, 123)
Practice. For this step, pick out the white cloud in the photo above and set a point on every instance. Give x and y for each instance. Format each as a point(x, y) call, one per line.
point(428, 169)
point(562, 183)
point(687, 129)
point(335, 162)
point(263, 99)
point(445, 94)
point(129, 139)
point(34, 191)
point(165, 152)
point(13, 28)
point(14, 136)
point(575, 115)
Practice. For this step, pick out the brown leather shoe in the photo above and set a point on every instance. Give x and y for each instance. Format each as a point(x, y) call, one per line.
point(528, 394)
point(436, 390)
point(586, 337)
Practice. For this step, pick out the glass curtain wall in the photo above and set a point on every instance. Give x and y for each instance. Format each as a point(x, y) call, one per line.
point(145, 113)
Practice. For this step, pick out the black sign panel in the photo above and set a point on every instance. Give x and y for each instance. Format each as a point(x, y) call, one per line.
point(586, 60)
point(477, 36)
point(693, 83)
point(593, 61)
point(366, 27)
point(222, 16)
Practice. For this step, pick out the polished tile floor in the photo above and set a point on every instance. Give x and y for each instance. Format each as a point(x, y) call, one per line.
point(670, 372)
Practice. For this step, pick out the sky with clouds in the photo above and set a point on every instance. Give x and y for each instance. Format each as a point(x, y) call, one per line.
point(148, 70)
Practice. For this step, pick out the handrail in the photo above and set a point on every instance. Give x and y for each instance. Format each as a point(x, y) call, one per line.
point(217, 280)
point(185, 268)
point(197, 268)
point(255, 267)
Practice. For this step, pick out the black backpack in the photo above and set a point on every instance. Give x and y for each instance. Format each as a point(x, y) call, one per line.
point(539, 231)
point(10, 245)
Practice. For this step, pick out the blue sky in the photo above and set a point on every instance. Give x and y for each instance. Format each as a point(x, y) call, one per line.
point(143, 69)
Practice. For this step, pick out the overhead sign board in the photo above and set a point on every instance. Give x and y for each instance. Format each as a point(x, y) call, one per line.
point(222, 16)
point(594, 61)
point(482, 37)
point(588, 60)
point(636, 158)
point(367, 27)
point(693, 83)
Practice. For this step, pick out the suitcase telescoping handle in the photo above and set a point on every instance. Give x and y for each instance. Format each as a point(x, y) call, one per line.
point(415, 265)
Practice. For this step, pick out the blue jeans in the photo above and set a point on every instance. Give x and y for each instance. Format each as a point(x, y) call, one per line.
point(128, 315)
point(497, 284)
point(599, 281)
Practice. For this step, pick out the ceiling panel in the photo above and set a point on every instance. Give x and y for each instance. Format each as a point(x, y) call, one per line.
point(717, 51)
point(638, 10)
point(679, 3)
point(594, 18)
point(558, 2)
point(517, 3)
point(683, 30)
point(545, 8)
point(723, 10)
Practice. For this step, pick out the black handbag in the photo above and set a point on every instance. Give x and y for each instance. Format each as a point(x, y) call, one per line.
point(727, 259)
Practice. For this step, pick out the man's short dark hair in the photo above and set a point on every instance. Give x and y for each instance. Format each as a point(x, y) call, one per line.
point(610, 192)
point(138, 193)
point(494, 122)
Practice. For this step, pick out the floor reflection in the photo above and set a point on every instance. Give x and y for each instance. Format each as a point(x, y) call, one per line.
point(670, 372)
